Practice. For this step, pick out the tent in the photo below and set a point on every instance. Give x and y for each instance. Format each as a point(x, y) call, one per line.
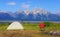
point(15, 25)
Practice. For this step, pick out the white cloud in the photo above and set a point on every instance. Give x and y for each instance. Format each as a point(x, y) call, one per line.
point(25, 5)
point(11, 3)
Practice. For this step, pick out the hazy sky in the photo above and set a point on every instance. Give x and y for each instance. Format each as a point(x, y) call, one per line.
point(14, 5)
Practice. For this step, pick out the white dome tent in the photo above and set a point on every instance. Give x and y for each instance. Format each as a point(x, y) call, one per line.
point(15, 26)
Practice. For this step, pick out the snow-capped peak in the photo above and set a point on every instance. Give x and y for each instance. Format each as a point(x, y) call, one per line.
point(43, 11)
point(35, 11)
point(27, 12)
point(11, 13)
point(19, 11)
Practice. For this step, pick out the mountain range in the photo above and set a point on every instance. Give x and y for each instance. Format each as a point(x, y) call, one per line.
point(35, 15)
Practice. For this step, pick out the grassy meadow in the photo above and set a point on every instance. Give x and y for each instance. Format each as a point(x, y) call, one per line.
point(34, 26)
point(31, 30)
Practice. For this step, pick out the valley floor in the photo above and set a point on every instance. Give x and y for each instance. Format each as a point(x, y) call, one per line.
point(30, 30)
point(24, 33)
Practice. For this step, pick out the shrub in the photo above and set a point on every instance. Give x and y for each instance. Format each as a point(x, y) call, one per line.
point(47, 24)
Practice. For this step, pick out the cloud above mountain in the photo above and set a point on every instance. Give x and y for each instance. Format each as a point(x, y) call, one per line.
point(11, 3)
point(24, 5)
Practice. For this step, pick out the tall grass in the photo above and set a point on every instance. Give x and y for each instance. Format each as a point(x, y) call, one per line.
point(3, 25)
point(34, 26)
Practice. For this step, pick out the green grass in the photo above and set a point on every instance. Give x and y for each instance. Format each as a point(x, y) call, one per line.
point(3, 26)
point(28, 29)
point(31, 27)
point(34, 26)
point(53, 26)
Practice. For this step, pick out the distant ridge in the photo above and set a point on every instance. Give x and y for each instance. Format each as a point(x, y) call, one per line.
point(34, 15)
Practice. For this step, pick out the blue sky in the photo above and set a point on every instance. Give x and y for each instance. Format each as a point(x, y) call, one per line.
point(14, 5)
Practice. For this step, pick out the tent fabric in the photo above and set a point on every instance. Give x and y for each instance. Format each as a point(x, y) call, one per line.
point(15, 25)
